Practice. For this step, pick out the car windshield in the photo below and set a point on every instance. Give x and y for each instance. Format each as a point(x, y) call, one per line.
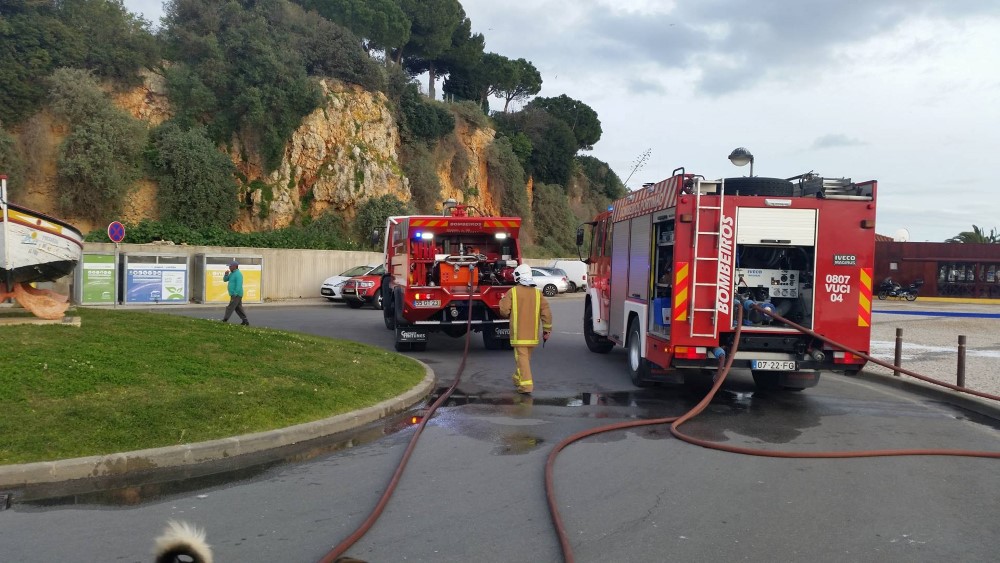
point(356, 271)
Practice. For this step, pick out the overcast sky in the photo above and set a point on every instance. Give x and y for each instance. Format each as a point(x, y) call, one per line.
point(906, 92)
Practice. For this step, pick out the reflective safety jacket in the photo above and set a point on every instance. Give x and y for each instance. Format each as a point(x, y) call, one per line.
point(525, 307)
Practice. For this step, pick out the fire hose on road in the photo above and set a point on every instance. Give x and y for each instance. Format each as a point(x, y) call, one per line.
point(675, 422)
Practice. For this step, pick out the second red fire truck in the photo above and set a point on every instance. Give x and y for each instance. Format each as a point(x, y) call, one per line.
point(446, 273)
point(670, 265)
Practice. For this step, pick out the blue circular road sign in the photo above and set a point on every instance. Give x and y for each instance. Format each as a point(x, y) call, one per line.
point(116, 231)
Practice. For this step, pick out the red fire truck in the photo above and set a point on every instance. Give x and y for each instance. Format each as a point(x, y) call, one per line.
point(440, 266)
point(670, 263)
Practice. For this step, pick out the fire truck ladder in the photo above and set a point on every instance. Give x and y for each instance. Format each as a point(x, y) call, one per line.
point(714, 230)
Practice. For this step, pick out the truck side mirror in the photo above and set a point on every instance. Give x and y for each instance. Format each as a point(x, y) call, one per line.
point(579, 236)
point(375, 237)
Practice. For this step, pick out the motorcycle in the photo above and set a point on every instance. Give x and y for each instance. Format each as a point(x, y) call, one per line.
point(892, 290)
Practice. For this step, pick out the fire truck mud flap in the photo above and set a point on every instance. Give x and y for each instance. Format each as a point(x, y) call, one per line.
point(410, 338)
point(791, 380)
point(496, 337)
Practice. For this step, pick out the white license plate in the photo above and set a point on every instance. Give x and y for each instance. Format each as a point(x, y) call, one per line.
point(427, 303)
point(773, 365)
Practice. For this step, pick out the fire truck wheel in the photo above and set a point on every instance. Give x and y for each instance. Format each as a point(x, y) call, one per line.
point(550, 291)
point(355, 303)
point(595, 343)
point(389, 317)
point(638, 367)
point(758, 186)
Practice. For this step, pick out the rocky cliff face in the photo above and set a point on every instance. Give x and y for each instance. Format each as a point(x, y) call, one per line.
point(342, 154)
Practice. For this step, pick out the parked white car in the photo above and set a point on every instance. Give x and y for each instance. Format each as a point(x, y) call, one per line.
point(550, 282)
point(576, 273)
point(333, 286)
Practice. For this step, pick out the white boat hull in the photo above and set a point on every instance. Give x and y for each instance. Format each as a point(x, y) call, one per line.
point(35, 247)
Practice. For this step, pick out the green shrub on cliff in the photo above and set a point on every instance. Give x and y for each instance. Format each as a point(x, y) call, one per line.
point(197, 186)
point(101, 158)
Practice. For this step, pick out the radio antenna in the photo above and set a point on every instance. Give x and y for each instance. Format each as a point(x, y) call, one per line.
point(640, 161)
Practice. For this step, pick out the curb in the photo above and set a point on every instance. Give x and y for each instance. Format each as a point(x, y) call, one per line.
point(978, 405)
point(15, 476)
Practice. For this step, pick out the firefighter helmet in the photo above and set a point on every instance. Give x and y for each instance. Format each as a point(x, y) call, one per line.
point(522, 275)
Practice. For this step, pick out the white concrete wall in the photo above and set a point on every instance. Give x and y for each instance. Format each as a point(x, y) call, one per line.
point(287, 274)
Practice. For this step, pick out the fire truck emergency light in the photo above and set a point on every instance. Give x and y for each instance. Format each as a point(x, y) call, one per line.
point(423, 236)
point(501, 236)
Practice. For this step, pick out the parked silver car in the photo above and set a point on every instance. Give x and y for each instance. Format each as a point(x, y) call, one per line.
point(551, 281)
point(333, 286)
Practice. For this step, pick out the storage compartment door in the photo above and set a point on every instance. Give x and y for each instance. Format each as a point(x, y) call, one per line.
point(771, 226)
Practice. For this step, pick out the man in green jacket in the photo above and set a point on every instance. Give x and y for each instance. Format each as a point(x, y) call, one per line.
point(235, 279)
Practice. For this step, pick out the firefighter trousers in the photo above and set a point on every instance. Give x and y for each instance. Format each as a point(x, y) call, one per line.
point(522, 369)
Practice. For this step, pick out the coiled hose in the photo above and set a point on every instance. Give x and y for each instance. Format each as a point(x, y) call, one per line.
point(676, 421)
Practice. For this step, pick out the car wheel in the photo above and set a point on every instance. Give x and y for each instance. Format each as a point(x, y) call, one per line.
point(572, 288)
point(378, 302)
point(550, 290)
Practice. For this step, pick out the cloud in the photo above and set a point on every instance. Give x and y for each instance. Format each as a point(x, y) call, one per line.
point(836, 140)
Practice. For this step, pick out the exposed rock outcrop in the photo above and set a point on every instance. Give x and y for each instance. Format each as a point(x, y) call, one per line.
point(342, 154)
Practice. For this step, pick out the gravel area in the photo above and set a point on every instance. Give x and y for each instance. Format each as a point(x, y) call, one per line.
point(930, 343)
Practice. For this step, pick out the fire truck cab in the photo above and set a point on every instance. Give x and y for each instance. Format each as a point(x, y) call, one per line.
point(438, 267)
point(670, 264)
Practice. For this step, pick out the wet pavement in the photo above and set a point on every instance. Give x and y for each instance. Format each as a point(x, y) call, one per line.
point(473, 490)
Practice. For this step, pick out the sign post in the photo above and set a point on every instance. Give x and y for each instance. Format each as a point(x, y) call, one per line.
point(116, 232)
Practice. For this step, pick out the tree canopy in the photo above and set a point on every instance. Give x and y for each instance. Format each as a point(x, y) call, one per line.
point(976, 235)
point(518, 80)
point(381, 24)
point(38, 37)
point(580, 117)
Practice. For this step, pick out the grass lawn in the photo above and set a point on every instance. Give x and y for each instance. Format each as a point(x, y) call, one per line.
point(128, 380)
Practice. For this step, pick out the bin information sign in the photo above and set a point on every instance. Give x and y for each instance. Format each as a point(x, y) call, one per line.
point(98, 282)
point(152, 283)
point(218, 291)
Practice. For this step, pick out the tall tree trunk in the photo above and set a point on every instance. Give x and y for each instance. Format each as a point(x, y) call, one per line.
point(431, 78)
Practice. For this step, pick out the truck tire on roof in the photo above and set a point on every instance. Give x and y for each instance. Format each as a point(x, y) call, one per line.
point(758, 186)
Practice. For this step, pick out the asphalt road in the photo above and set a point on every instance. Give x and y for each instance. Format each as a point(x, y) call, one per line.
point(474, 488)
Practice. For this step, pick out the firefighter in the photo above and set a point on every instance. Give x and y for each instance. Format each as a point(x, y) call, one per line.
point(526, 308)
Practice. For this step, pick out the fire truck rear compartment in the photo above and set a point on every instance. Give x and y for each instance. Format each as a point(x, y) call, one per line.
point(779, 276)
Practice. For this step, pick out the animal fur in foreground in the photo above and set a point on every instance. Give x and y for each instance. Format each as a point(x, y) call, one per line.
point(181, 539)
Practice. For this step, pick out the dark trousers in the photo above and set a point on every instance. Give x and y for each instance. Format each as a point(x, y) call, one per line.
point(235, 304)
